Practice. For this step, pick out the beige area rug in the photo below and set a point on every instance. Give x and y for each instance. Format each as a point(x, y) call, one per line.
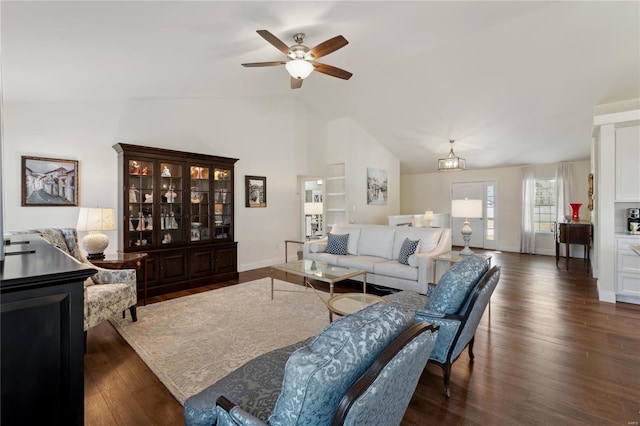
point(192, 341)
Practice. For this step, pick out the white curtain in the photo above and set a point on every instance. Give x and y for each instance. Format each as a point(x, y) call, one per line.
point(563, 191)
point(528, 237)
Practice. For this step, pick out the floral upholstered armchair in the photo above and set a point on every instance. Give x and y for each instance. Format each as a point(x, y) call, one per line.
point(108, 292)
point(456, 304)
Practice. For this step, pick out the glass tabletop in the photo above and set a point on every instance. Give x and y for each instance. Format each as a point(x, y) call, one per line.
point(349, 303)
point(315, 269)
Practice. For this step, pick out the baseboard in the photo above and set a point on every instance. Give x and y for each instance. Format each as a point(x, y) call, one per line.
point(509, 249)
point(628, 299)
point(546, 252)
point(606, 296)
point(261, 264)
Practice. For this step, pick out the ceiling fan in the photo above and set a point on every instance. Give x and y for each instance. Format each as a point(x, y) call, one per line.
point(301, 60)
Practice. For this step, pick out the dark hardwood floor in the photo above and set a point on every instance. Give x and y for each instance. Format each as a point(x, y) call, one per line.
point(547, 352)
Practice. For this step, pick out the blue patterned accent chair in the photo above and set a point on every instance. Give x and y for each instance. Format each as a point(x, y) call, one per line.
point(456, 304)
point(108, 292)
point(374, 355)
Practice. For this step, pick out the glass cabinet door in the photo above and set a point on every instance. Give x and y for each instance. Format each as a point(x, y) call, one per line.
point(223, 207)
point(170, 204)
point(200, 204)
point(140, 184)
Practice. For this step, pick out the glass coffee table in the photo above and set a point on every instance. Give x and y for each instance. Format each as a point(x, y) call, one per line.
point(321, 271)
point(348, 303)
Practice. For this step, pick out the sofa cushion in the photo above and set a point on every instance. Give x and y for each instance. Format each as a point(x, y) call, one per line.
point(456, 284)
point(354, 236)
point(331, 259)
point(317, 376)
point(393, 268)
point(376, 241)
point(337, 244)
point(366, 263)
point(408, 248)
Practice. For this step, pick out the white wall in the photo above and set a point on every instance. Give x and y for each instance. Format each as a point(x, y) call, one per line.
point(277, 138)
point(420, 192)
point(268, 136)
point(351, 144)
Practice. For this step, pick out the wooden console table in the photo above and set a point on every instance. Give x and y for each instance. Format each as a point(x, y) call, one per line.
point(574, 233)
point(41, 337)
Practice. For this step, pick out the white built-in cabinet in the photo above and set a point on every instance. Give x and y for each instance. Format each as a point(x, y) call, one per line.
point(627, 268)
point(628, 164)
point(616, 169)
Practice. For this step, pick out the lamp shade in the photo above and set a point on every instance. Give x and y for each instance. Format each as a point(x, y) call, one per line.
point(466, 208)
point(428, 218)
point(312, 208)
point(96, 219)
point(299, 68)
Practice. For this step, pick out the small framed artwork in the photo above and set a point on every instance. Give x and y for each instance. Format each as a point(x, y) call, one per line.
point(49, 182)
point(255, 191)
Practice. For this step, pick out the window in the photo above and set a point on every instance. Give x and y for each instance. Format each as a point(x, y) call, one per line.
point(490, 213)
point(544, 210)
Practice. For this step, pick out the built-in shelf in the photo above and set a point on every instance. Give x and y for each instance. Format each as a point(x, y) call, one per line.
point(336, 191)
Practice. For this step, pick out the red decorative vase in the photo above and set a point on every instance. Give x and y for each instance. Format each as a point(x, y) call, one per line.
point(575, 211)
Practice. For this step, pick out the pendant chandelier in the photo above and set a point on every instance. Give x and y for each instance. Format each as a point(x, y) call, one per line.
point(451, 162)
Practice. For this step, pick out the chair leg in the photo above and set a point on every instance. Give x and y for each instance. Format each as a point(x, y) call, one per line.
point(471, 356)
point(446, 375)
point(134, 314)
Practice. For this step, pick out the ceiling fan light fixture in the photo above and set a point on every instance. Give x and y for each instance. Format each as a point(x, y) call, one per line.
point(299, 68)
point(452, 162)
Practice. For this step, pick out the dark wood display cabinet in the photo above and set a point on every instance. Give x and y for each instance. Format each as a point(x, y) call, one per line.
point(178, 208)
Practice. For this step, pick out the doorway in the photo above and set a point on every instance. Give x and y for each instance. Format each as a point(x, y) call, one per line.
point(312, 207)
point(484, 229)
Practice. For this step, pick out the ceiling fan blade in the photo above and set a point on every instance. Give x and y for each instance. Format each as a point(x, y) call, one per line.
point(275, 41)
point(296, 83)
point(264, 64)
point(332, 71)
point(328, 46)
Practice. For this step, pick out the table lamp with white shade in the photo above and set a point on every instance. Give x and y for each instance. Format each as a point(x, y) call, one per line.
point(428, 218)
point(468, 209)
point(95, 220)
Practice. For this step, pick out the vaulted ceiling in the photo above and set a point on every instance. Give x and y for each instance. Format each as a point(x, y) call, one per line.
point(512, 82)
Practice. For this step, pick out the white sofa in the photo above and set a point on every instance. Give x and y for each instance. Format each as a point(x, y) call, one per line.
point(375, 249)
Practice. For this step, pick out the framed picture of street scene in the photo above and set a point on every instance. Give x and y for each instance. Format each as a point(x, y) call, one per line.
point(256, 191)
point(49, 182)
point(376, 186)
